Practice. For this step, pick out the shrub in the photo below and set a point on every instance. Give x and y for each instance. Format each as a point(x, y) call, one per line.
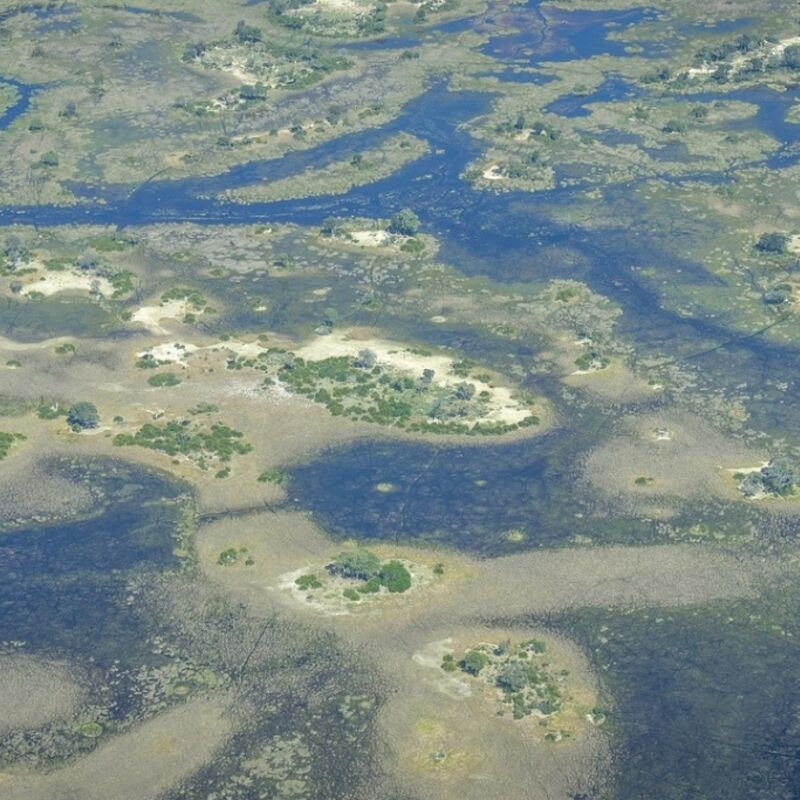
point(395, 577)
point(164, 379)
point(405, 222)
point(82, 416)
point(473, 662)
point(513, 677)
point(357, 564)
point(309, 581)
point(773, 243)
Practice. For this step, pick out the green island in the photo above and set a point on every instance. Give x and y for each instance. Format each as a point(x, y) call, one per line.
point(200, 445)
point(399, 399)
point(519, 671)
point(362, 388)
point(358, 577)
point(361, 168)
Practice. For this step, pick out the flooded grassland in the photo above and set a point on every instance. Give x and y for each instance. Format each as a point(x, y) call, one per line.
point(398, 400)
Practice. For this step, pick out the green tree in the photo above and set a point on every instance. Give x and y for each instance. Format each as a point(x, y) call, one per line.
point(83, 415)
point(405, 222)
point(791, 56)
point(773, 243)
point(513, 677)
point(357, 564)
point(473, 662)
point(395, 577)
point(247, 33)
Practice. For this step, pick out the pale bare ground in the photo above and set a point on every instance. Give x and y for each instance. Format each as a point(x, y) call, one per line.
point(34, 692)
point(151, 316)
point(137, 765)
point(73, 281)
point(503, 406)
point(694, 461)
point(484, 753)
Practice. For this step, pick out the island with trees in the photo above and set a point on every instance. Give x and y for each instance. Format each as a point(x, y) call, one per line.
point(526, 680)
point(359, 578)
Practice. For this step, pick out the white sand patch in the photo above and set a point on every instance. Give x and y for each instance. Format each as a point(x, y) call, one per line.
point(371, 238)
point(170, 352)
point(179, 352)
point(794, 243)
point(432, 654)
point(329, 598)
point(74, 281)
point(44, 344)
point(493, 173)
point(312, 598)
point(348, 6)
point(246, 349)
point(747, 470)
point(502, 406)
point(151, 316)
point(706, 69)
point(775, 49)
point(590, 371)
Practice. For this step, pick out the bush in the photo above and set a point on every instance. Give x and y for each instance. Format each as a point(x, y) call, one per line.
point(356, 564)
point(473, 662)
point(791, 56)
point(513, 677)
point(395, 577)
point(273, 476)
point(306, 582)
point(778, 478)
point(247, 33)
point(164, 379)
point(449, 663)
point(405, 222)
point(773, 243)
point(82, 416)
point(675, 126)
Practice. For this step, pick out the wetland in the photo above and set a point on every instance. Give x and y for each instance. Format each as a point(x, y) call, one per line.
point(399, 400)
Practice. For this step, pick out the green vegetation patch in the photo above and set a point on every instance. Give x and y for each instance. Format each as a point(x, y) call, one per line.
point(339, 177)
point(779, 478)
point(219, 442)
point(355, 573)
point(164, 379)
point(523, 674)
point(263, 62)
point(7, 441)
point(357, 387)
point(233, 556)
